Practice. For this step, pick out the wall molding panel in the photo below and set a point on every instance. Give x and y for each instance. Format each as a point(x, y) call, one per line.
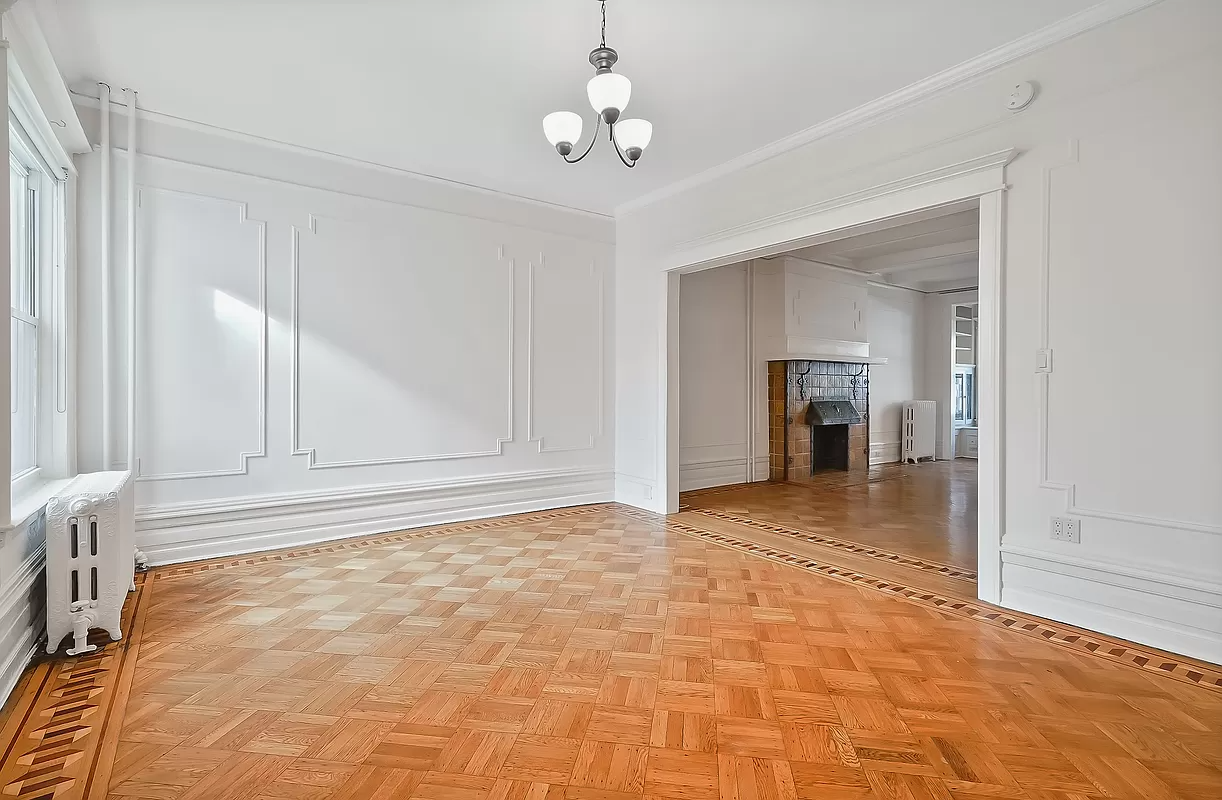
point(535, 270)
point(495, 448)
point(375, 329)
point(223, 303)
point(1068, 490)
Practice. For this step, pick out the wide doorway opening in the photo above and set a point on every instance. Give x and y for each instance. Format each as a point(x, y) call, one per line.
point(829, 398)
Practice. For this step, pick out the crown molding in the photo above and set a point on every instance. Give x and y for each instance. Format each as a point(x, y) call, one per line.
point(90, 101)
point(890, 104)
point(40, 91)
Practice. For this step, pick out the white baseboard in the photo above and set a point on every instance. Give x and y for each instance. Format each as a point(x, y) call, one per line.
point(193, 531)
point(1178, 613)
point(884, 452)
point(718, 472)
point(22, 620)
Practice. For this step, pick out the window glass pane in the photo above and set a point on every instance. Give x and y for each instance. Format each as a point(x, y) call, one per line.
point(24, 396)
point(21, 213)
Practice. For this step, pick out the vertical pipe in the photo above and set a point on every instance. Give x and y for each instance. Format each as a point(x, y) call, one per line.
point(107, 300)
point(6, 266)
point(751, 409)
point(131, 279)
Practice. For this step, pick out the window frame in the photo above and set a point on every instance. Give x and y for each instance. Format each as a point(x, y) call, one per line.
point(46, 195)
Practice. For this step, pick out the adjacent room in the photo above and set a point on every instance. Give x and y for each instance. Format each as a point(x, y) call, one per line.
point(612, 400)
point(853, 396)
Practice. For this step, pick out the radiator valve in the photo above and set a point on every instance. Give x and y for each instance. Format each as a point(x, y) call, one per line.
point(82, 620)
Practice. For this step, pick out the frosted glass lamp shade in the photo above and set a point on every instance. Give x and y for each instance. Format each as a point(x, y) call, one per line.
point(562, 126)
point(633, 135)
point(609, 90)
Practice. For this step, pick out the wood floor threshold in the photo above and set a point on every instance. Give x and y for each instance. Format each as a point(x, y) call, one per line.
point(949, 570)
point(1160, 662)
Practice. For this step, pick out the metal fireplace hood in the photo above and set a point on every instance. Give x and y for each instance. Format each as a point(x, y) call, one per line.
point(832, 412)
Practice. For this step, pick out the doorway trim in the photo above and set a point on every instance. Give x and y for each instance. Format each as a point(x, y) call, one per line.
point(981, 179)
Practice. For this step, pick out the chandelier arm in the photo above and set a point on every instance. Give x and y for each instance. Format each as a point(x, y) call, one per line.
point(590, 146)
point(615, 145)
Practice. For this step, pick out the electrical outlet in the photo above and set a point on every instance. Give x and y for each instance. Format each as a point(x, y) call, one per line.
point(1065, 529)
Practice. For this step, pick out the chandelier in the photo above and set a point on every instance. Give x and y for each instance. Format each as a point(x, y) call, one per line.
point(608, 93)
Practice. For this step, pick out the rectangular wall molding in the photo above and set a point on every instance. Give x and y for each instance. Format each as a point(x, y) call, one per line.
point(339, 359)
point(173, 392)
point(568, 381)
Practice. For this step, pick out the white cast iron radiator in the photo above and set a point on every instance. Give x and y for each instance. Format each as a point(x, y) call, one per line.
point(91, 558)
point(920, 430)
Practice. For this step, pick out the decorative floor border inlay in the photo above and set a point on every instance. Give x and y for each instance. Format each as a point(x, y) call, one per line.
point(1197, 673)
point(61, 735)
point(59, 731)
point(947, 570)
point(358, 542)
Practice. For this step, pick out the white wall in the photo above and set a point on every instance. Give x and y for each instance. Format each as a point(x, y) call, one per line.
point(1112, 177)
point(936, 383)
point(897, 333)
point(713, 369)
point(327, 350)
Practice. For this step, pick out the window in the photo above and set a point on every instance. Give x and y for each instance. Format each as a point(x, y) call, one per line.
point(965, 396)
point(31, 191)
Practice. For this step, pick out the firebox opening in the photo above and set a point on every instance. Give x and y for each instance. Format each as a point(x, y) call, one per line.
point(829, 447)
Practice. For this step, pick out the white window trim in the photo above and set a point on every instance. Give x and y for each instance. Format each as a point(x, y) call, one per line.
point(36, 147)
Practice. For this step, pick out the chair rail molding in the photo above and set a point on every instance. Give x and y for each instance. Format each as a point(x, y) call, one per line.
point(1068, 490)
point(310, 453)
point(533, 433)
point(245, 456)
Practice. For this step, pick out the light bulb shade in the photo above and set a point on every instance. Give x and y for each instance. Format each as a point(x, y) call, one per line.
point(562, 126)
point(609, 90)
point(630, 133)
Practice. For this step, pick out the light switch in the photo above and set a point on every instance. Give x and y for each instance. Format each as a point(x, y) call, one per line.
point(1043, 360)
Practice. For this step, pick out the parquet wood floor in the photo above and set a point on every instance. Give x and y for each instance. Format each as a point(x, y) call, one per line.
point(923, 512)
point(595, 654)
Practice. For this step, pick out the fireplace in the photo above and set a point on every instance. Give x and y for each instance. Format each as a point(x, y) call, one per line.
point(829, 422)
point(818, 414)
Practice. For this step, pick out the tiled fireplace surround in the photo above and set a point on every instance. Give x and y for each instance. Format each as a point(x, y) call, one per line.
point(791, 387)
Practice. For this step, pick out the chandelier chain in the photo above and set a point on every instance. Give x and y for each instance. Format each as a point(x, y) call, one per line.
point(604, 44)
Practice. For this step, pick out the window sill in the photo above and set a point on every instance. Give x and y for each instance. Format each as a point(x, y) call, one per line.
point(32, 500)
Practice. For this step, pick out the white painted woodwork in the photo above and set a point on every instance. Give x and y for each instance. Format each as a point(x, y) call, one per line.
point(938, 342)
point(201, 336)
point(565, 372)
point(326, 351)
point(1082, 226)
point(822, 313)
point(424, 332)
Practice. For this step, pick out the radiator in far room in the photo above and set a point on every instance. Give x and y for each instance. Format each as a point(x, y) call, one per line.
point(90, 558)
point(920, 430)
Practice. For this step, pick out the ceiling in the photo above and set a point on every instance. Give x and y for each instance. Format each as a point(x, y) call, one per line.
point(457, 89)
point(936, 250)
